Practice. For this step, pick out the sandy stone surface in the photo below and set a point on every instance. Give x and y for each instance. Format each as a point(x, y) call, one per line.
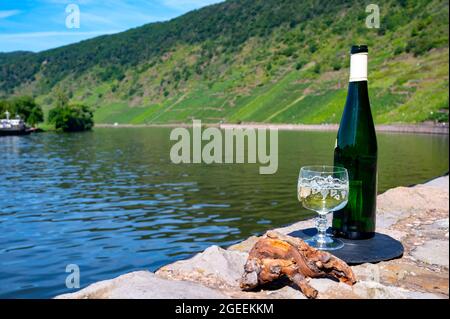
point(144, 285)
point(417, 216)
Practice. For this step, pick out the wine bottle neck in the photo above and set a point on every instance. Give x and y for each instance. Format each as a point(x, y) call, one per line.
point(358, 67)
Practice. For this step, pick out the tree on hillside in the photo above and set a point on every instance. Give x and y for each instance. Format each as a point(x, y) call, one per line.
point(4, 106)
point(36, 116)
point(61, 98)
point(72, 117)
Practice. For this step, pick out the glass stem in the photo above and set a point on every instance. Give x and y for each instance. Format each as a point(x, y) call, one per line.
point(321, 225)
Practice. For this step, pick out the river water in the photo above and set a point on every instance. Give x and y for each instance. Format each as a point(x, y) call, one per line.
point(111, 201)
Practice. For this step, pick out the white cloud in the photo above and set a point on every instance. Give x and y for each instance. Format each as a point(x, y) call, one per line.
point(8, 13)
point(95, 18)
point(117, 19)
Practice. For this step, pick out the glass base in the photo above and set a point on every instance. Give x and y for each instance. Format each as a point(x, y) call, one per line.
point(324, 242)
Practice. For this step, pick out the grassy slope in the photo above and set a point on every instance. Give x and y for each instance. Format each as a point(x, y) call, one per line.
point(405, 89)
point(280, 77)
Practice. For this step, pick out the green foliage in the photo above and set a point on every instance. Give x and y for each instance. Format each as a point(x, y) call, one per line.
point(336, 64)
point(399, 50)
point(71, 118)
point(111, 73)
point(300, 64)
point(227, 25)
point(36, 116)
point(317, 68)
point(5, 105)
point(419, 45)
point(313, 48)
point(62, 99)
point(289, 51)
point(441, 117)
point(25, 107)
point(248, 60)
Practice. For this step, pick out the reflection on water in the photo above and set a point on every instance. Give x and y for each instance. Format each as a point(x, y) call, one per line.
point(111, 201)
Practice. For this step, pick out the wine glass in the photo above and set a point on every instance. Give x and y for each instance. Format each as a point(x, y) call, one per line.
point(323, 189)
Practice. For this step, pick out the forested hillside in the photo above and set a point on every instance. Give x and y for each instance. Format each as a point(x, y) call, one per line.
point(249, 60)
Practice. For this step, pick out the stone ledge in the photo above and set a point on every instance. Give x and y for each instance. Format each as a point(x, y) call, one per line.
point(144, 285)
point(417, 216)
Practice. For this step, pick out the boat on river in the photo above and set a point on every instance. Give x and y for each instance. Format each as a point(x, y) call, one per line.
point(14, 126)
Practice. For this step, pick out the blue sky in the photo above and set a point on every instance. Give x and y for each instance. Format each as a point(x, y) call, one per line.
point(36, 25)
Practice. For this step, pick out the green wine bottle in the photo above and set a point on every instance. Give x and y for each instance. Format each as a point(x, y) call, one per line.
point(356, 150)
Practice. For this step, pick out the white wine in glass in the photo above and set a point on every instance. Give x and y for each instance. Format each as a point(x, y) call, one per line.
point(323, 189)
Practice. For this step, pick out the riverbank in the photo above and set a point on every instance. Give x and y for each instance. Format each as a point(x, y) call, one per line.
point(425, 128)
point(417, 216)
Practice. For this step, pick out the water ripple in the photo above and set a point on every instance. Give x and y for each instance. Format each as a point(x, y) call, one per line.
point(111, 202)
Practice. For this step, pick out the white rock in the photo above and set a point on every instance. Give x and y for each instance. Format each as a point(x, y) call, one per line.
point(441, 182)
point(215, 265)
point(144, 285)
point(434, 252)
point(375, 290)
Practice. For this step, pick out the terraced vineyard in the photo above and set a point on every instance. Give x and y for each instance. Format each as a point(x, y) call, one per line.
point(274, 61)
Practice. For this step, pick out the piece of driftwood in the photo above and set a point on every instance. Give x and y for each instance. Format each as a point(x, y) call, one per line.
point(276, 255)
